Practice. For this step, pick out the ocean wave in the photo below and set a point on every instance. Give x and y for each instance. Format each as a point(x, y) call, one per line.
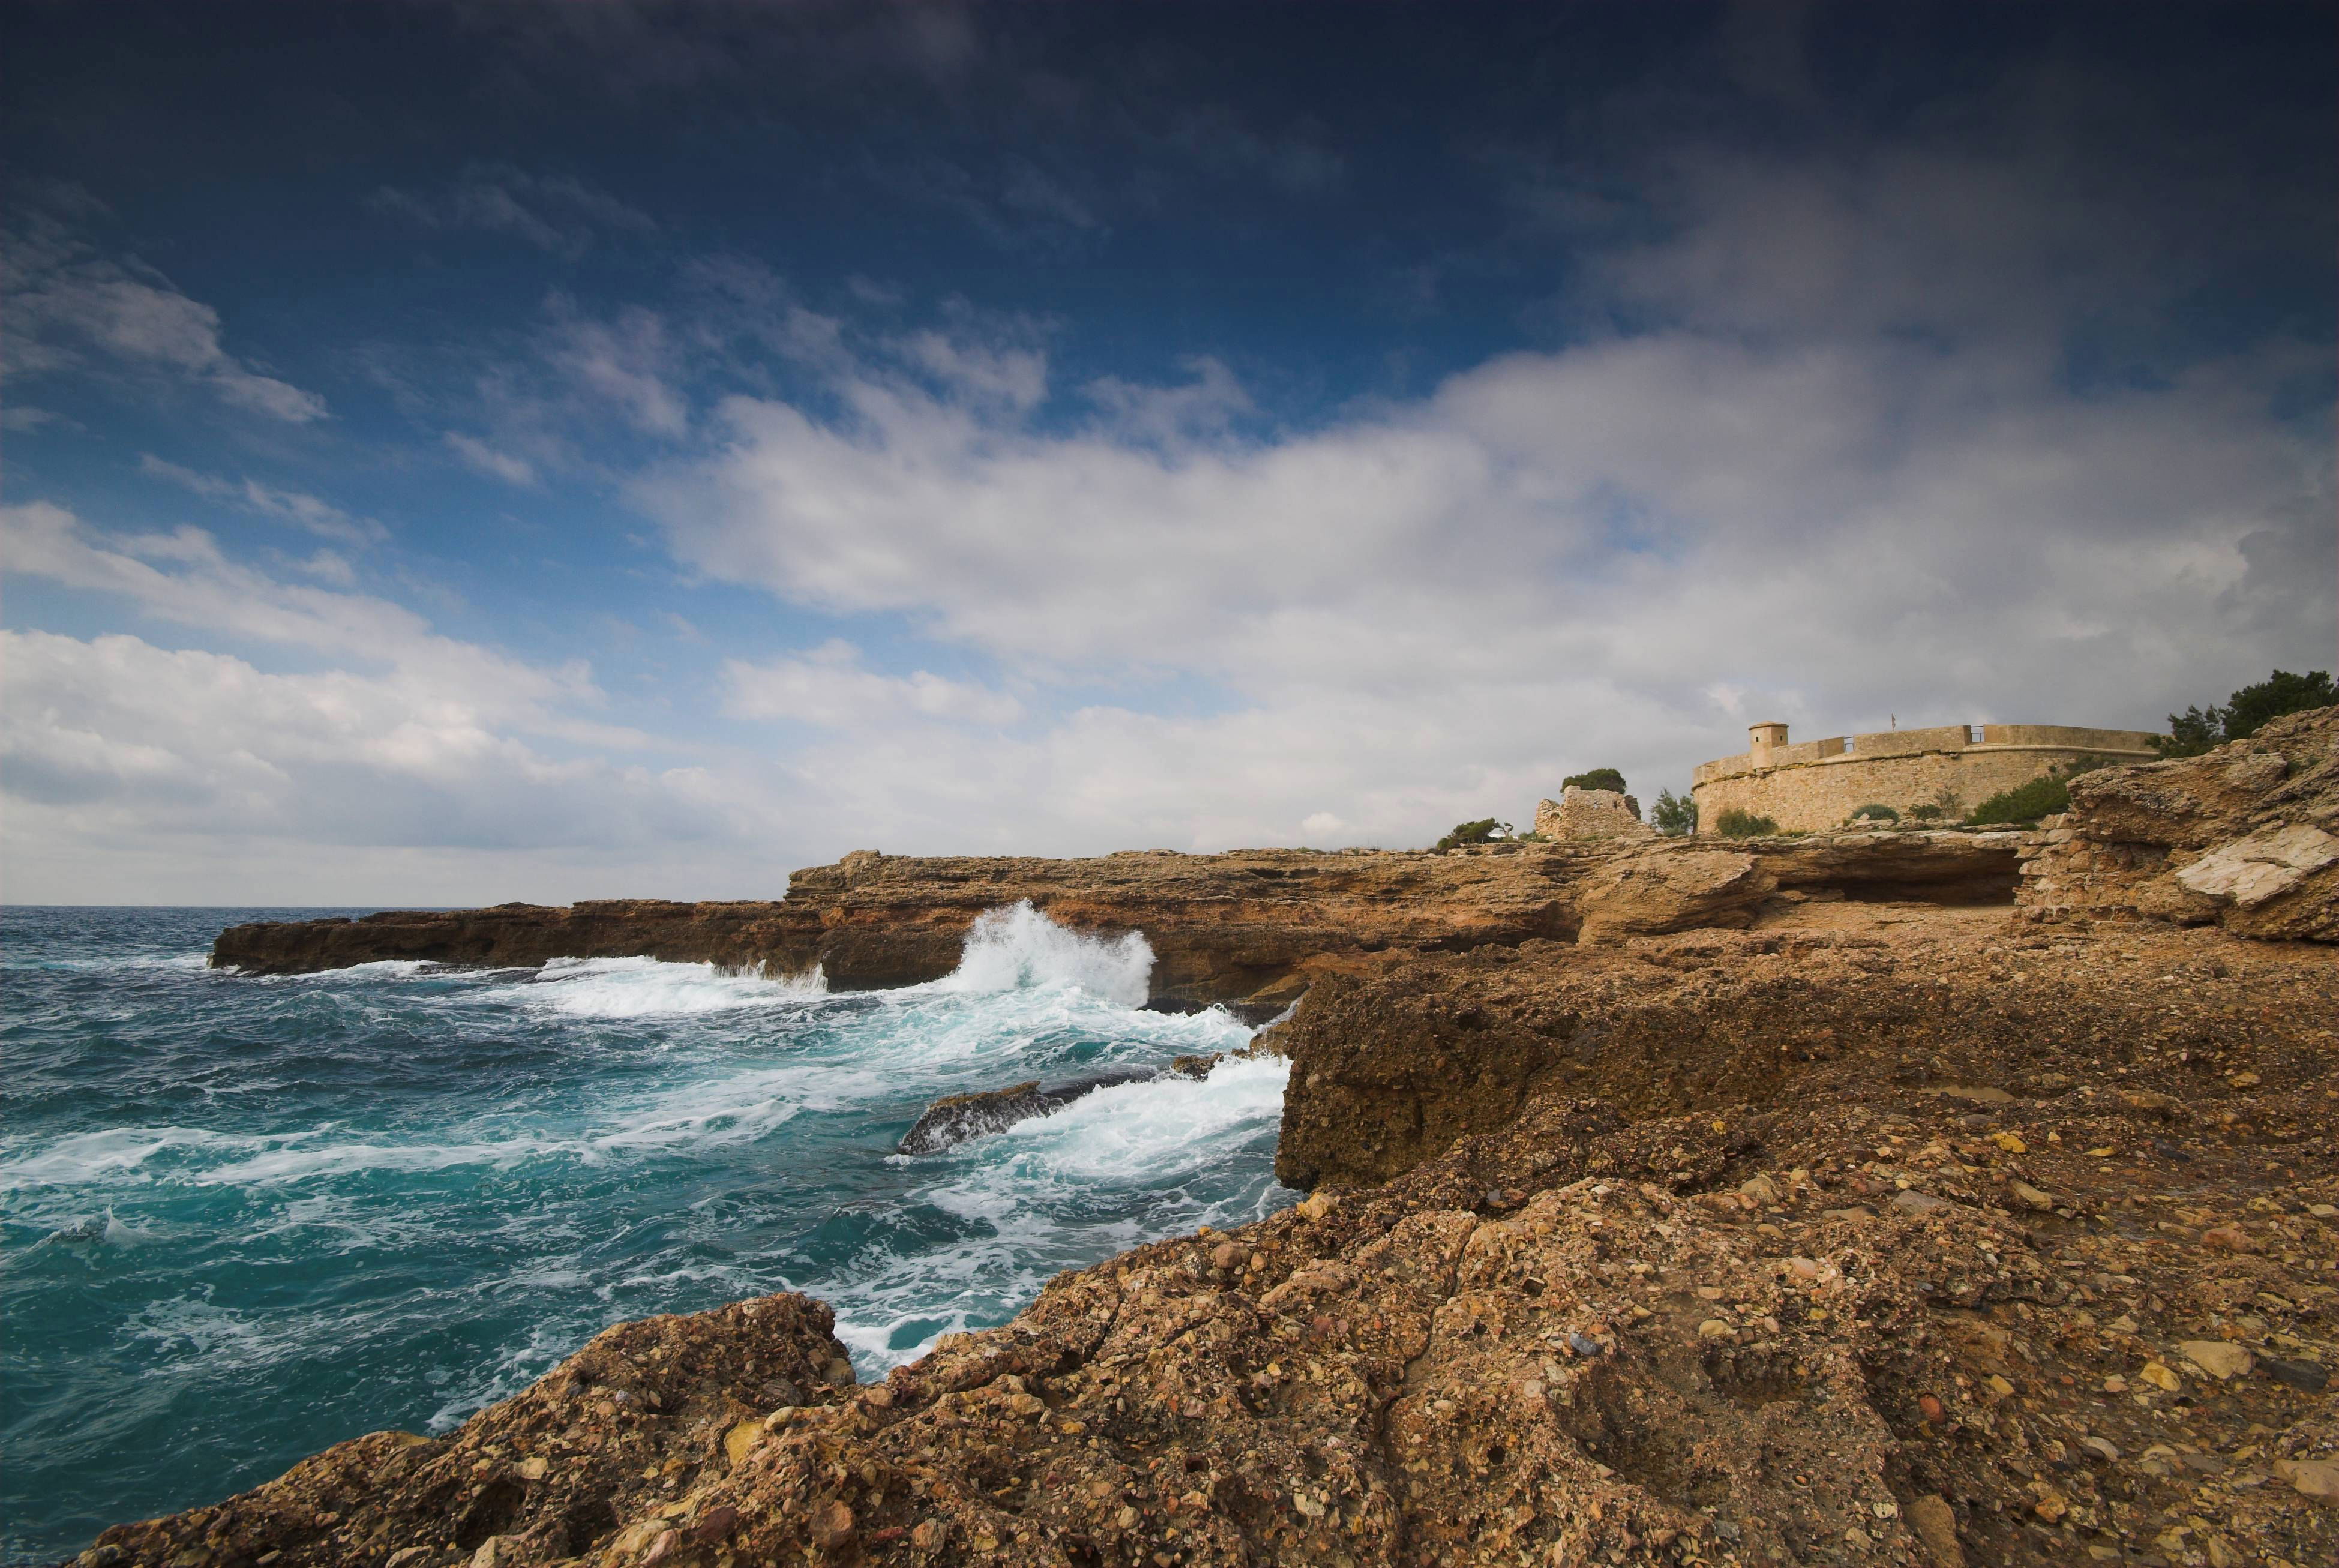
point(649, 987)
point(1144, 1132)
point(1018, 948)
point(91, 1157)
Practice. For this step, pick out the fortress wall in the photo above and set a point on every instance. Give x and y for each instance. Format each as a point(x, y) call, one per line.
point(1819, 784)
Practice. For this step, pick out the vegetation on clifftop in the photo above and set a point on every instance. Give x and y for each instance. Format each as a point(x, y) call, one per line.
point(2246, 711)
point(1673, 815)
point(1598, 778)
point(1485, 830)
point(2042, 797)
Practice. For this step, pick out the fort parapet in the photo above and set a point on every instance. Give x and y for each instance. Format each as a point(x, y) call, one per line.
point(1820, 784)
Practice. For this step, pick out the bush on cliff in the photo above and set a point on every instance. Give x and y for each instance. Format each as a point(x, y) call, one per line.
point(1874, 812)
point(2246, 711)
point(1673, 815)
point(1737, 823)
point(1926, 813)
point(1598, 778)
point(2042, 797)
point(1483, 831)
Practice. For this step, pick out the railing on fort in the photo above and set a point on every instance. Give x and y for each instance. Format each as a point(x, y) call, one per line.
point(2128, 745)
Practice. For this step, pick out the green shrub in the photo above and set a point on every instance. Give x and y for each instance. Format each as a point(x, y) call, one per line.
point(2042, 797)
point(1874, 812)
point(1482, 831)
point(1598, 778)
point(1674, 815)
point(2246, 711)
point(1737, 823)
point(1926, 813)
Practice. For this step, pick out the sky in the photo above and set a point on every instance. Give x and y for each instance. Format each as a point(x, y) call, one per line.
point(460, 452)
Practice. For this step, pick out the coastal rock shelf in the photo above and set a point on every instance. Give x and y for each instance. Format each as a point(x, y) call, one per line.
point(1252, 927)
point(1788, 1201)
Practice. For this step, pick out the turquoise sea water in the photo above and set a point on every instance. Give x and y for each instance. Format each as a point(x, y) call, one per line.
point(242, 1218)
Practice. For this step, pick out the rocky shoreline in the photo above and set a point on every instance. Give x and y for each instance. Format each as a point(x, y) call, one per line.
point(1927, 1198)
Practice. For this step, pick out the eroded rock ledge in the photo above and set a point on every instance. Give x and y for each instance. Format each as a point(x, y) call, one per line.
point(1252, 927)
point(1764, 1225)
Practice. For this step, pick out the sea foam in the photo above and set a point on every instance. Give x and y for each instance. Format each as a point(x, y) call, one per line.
point(1019, 948)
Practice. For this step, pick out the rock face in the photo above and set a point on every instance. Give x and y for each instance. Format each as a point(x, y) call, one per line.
point(1781, 1254)
point(2245, 837)
point(1818, 1207)
point(644, 1412)
point(1581, 814)
point(1250, 927)
point(1814, 1002)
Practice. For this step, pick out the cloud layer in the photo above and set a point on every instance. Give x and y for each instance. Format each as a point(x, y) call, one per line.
point(1987, 410)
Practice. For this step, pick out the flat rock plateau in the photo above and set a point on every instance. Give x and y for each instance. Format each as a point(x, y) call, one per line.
point(1895, 1198)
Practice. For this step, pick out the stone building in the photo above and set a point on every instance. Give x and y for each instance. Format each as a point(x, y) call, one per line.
point(1820, 784)
point(1589, 814)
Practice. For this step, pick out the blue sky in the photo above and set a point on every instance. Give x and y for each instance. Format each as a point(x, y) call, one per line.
point(457, 452)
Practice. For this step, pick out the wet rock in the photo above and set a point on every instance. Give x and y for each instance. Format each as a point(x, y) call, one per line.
point(955, 1118)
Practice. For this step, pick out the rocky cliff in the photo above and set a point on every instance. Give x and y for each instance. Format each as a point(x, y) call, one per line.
point(1810, 1207)
point(1251, 928)
point(2246, 837)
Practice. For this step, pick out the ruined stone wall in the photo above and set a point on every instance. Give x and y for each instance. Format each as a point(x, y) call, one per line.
point(1819, 784)
point(1591, 813)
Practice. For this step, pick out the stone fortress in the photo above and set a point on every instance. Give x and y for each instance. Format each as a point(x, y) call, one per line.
point(1818, 784)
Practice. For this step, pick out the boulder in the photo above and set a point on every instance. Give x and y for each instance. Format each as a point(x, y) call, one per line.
point(1668, 889)
point(2245, 837)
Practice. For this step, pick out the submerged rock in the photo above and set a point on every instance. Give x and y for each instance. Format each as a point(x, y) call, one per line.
point(955, 1118)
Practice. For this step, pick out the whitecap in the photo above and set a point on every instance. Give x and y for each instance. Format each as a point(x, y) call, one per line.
point(93, 1157)
point(649, 987)
point(1018, 948)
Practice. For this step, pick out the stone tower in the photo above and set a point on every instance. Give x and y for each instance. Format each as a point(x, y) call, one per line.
point(1763, 739)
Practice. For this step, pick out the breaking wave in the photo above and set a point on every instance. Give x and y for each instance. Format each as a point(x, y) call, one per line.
point(1019, 948)
point(429, 1184)
point(649, 987)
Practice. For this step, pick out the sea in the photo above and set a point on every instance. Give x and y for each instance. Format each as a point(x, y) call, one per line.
point(242, 1218)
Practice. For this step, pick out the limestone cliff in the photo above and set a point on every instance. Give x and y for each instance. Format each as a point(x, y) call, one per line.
point(2245, 837)
point(1816, 1207)
point(1253, 927)
point(1248, 927)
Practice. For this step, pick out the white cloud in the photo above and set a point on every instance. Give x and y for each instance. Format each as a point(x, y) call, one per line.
point(66, 303)
point(479, 457)
point(631, 363)
point(408, 764)
point(829, 686)
point(183, 577)
point(298, 508)
point(1843, 472)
